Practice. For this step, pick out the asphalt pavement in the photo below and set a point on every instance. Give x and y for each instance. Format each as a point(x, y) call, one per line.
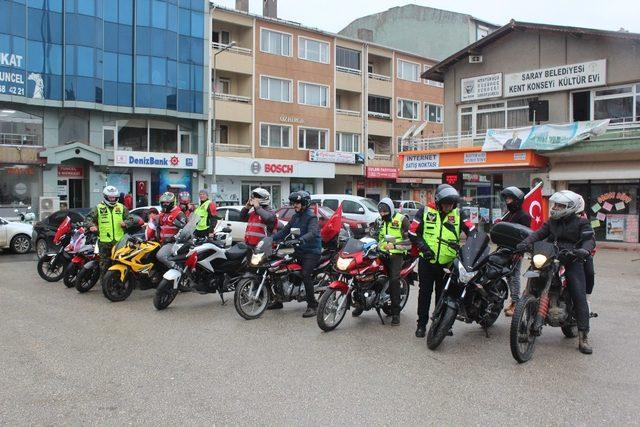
point(74, 359)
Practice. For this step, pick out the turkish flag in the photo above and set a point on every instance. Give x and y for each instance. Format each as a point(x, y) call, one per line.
point(533, 206)
point(332, 227)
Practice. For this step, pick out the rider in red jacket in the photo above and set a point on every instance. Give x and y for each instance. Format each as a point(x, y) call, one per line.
point(170, 220)
point(261, 219)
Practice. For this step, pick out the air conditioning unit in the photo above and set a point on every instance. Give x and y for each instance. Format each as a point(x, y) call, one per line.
point(475, 59)
point(48, 205)
point(547, 186)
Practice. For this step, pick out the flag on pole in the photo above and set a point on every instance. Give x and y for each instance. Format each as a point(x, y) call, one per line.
point(332, 227)
point(533, 206)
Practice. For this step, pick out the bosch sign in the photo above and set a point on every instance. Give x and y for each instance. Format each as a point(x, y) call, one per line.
point(278, 168)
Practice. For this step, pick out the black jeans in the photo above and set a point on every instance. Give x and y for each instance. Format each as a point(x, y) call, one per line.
point(309, 263)
point(394, 265)
point(589, 274)
point(576, 286)
point(428, 274)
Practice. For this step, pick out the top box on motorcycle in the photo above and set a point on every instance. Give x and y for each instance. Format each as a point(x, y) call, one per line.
point(508, 235)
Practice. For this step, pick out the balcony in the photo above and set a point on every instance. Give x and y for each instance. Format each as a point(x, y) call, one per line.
point(233, 108)
point(347, 113)
point(233, 139)
point(236, 59)
point(233, 98)
point(348, 79)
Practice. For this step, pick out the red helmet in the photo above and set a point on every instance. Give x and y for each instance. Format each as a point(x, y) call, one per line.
point(184, 198)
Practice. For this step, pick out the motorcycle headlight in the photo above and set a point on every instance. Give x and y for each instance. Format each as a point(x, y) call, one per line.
point(343, 263)
point(256, 259)
point(539, 260)
point(463, 275)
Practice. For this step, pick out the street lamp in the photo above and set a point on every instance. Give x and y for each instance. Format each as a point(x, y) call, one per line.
point(213, 110)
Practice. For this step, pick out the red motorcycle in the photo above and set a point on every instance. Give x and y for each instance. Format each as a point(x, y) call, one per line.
point(362, 277)
point(51, 267)
point(79, 249)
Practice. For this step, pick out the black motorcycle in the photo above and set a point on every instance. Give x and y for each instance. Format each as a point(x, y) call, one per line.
point(477, 286)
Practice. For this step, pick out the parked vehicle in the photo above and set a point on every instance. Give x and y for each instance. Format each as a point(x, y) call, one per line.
point(546, 300)
point(44, 231)
point(358, 228)
point(408, 207)
point(477, 284)
point(80, 243)
point(362, 276)
point(143, 211)
point(89, 270)
point(15, 236)
point(353, 207)
point(52, 265)
point(229, 217)
point(201, 265)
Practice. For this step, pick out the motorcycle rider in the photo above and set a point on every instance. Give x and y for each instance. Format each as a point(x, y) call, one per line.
point(184, 201)
point(513, 198)
point(261, 219)
point(170, 220)
point(432, 223)
point(108, 220)
point(393, 224)
point(207, 211)
point(571, 232)
point(308, 245)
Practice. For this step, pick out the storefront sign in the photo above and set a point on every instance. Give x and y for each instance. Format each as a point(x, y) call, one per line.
point(555, 79)
point(475, 157)
point(240, 166)
point(155, 160)
point(421, 161)
point(381, 172)
point(14, 78)
point(332, 157)
point(289, 119)
point(70, 172)
point(19, 170)
point(480, 87)
point(542, 137)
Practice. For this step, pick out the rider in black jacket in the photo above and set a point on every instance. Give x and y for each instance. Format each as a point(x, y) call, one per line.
point(573, 233)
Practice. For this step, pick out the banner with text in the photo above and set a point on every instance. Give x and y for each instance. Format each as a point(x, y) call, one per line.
point(480, 87)
point(421, 162)
point(556, 79)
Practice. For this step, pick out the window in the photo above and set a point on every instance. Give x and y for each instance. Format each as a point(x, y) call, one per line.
point(163, 137)
point(132, 135)
point(432, 82)
point(274, 89)
point(275, 42)
point(275, 136)
point(408, 71)
point(351, 207)
point(348, 142)
point(433, 113)
point(234, 215)
point(380, 105)
point(312, 139)
point(347, 58)
point(331, 203)
point(18, 128)
point(108, 137)
point(313, 50)
point(408, 109)
point(478, 118)
point(313, 94)
point(223, 86)
point(617, 104)
point(222, 37)
point(223, 134)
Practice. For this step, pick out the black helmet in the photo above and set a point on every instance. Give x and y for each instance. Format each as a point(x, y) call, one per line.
point(516, 194)
point(446, 194)
point(300, 197)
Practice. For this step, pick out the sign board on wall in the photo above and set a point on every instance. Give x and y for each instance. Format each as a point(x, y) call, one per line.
point(70, 171)
point(421, 161)
point(240, 166)
point(556, 79)
point(382, 172)
point(480, 87)
point(141, 159)
point(332, 157)
point(475, 157)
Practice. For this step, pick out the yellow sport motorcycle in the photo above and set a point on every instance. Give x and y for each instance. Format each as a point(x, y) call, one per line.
point(134, 265)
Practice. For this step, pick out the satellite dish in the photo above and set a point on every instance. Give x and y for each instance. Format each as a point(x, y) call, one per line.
point(370, 154)
point(419, 129)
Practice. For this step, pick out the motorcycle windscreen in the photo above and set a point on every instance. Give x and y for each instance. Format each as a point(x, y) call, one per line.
point(187, 231)
point(353, 246)
point(123, 242)
point(476, 247)
point(77, 241)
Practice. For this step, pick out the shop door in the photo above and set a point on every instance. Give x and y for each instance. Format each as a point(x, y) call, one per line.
point(274, 189)
point(75, 193)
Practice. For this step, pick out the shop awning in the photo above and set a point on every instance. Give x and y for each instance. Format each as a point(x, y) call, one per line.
point(595, 171)
point(471, 158)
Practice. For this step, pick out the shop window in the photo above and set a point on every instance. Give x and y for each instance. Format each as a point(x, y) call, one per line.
point(19, 185)
point(18, 128)
point(132, 135)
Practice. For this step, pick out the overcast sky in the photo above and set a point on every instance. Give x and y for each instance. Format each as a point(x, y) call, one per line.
point(333, 15)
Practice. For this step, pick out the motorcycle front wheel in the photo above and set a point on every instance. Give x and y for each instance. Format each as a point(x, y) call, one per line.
point(441, 326)
point(404, 297)
point(50, 273)
point(165, 294)
point(70, 275)
point(87, 279)
point(248, 302)
point(114, 289)
point(331, 309)
point(521, 338)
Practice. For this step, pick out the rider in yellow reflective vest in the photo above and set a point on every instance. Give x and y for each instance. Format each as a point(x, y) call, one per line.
point(431, 226)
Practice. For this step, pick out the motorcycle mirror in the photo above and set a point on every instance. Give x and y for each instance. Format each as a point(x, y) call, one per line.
point(226, 230)
point(389, 239)
point(295, 232)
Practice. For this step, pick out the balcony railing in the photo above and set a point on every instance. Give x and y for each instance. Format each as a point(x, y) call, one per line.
point(19, 139)
point(348, 70)
point(377, 115)
point(347, 112)
point(236, 148)
point(233, 98)
point(234, 49)
point(379, 77)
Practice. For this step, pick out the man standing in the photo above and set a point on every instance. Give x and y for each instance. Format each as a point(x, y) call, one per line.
point(207, 211)
point(261, 219)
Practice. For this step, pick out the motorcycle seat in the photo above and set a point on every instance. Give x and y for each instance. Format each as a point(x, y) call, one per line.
point(238, 251)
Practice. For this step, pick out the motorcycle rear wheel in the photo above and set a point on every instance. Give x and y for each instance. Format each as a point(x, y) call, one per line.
point(248, 306)
point(440, 327)
point(165, 294)
point(87, 279)
point(48, 272)
point(329, 314)
point(70, 275)
point(114, 289)
point(522, 339)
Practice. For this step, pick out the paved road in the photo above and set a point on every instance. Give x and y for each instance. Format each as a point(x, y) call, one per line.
point(78, 359)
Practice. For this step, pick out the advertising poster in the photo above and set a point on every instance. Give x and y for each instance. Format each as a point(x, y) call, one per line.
point(615, 227)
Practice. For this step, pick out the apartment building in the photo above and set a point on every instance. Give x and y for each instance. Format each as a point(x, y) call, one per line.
point(300, 108)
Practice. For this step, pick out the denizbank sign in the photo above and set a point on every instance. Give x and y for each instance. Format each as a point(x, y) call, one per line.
point(142, 159)
point(556, 79)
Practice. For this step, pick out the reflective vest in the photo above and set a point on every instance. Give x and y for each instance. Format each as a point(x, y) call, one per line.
point(109, 219)
point(203, 212)
point(167, 229)
point(256, 229)
point(433, 230)
point(391, 228)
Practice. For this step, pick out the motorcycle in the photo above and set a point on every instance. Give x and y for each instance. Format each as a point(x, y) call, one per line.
point(545, 301)
point(362, 276)
point(477, 283)
point(51, 266)
point(201, 265)
point(27, 216)
point(78, 249)
point(133, 265)
point(89, 268)
point(274, 276)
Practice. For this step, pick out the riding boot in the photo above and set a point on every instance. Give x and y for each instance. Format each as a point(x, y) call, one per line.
point(583, 342)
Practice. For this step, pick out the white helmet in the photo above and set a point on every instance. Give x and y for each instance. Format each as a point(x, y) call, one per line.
point(110, 195)
point(580, 208)
point(563, 203)
point(263, 195)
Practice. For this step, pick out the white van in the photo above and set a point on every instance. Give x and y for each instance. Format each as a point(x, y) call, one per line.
point(354, 207)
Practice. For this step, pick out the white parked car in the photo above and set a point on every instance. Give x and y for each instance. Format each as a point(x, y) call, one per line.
point(230, 218)
point(353, 207)
point(15, 236)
